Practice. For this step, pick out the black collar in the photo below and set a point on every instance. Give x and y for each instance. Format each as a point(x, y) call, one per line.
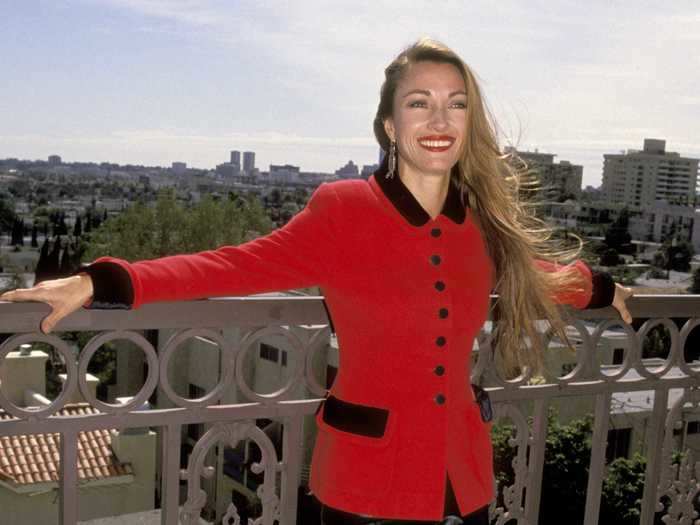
point(404, 201)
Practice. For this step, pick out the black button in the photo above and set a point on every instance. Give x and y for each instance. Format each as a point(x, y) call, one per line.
point(435, 232)
point(439, 370)
point(443, 313)
point(440, 399)
point(440, 341)
point(439, 286)
point(435, 259)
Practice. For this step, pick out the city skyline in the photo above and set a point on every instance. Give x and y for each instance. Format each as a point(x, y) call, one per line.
point(153, 82)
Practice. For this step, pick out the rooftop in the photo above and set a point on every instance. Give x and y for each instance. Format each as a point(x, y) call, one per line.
point(29, 459)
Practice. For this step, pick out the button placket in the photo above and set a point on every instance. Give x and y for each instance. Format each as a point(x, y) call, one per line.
point(443, 312)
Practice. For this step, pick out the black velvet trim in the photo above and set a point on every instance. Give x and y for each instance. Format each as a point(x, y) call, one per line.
point(112, 289)
point(603, 290)
point(407, 205)
point(352, 417)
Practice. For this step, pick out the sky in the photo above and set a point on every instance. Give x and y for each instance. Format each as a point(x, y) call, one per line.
point(156, 81)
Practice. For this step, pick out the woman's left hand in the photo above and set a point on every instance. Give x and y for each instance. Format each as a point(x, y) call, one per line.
point(622, 293)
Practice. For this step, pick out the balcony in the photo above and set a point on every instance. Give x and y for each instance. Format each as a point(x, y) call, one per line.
point(608, 366)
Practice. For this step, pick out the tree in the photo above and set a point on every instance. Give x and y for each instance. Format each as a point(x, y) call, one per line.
point(78, 228)
point(617, 235)
point(610, 258)
point(54, 260)
point(168, 228)
point(66, 265)
point(7, 215)
point(678, 256)
point(35, 242)
point(42, 270)
point(695, 287)
point(565, 474)
point(623, 487)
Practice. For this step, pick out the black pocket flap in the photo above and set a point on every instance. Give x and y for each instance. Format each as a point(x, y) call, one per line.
point(352, 417)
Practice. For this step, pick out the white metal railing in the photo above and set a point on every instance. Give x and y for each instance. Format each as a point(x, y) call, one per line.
point(262, 317)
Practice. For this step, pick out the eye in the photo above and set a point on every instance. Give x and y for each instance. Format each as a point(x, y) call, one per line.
point(460, 105)
point(416, 104)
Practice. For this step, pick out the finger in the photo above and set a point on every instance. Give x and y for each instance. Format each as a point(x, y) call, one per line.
point(626, 316)
point(51, 320)
point(20, 294)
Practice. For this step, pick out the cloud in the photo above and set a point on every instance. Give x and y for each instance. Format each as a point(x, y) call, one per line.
point(578, 79)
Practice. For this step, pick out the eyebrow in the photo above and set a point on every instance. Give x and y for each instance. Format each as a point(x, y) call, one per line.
point(427, 93)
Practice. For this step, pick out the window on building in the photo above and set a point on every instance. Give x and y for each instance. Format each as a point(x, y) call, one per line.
point(272, 353)
point(618, 356)
point(618, 443)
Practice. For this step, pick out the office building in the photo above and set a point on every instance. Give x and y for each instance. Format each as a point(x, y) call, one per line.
point(236, 161)
point(248, 162)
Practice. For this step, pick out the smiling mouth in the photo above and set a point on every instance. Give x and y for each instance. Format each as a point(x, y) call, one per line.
point(436, 143)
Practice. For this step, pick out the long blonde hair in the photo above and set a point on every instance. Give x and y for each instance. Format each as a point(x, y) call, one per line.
point(496, 185)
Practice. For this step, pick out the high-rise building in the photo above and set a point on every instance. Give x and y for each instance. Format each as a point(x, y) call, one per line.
point(54, 160)
point(558, 180)
point(640, 178)
point(248, 162)
point(236, 161)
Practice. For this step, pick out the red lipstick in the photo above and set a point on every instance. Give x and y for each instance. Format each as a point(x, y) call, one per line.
point(436, 143)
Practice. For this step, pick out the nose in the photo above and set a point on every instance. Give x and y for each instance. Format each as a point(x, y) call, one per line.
point(438, 120)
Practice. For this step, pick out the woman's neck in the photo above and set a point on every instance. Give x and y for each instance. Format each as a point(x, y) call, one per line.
point(429, 189)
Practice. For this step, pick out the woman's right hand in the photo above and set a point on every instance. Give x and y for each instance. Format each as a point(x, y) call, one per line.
point(64, 296)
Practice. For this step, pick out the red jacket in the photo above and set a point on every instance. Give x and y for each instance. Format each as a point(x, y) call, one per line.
point(407, 295)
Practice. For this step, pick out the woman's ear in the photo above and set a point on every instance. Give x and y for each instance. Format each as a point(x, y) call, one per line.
point(389, 128)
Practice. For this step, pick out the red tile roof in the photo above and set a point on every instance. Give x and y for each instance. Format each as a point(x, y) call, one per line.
point(34, 458)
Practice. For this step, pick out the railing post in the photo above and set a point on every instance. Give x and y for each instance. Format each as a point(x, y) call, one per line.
point(654, 456)
point(68, 500)
point(597, 465)
point(170, 474)
point(535, 463)
point(291, 474)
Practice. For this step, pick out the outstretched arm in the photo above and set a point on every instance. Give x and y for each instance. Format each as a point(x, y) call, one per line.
point(297, 255)
point(300, 254)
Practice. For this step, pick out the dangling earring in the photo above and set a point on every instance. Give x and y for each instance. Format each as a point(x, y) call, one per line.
point(392, 160)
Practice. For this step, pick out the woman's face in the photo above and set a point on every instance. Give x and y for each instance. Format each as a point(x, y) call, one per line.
point(429, 120)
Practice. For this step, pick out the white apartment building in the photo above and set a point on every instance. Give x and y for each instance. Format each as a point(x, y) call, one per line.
point(558, 179)
point(640, 178)
point(653, 223)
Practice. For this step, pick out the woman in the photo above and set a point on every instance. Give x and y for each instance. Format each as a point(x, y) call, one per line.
point(406, 260)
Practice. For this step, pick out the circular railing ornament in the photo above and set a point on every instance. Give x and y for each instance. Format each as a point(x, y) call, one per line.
point(68, 387)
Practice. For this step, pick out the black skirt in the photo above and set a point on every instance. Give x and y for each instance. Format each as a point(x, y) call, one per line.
point(332, 516)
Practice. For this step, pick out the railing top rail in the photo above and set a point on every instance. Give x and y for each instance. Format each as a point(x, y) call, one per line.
point(276, 310)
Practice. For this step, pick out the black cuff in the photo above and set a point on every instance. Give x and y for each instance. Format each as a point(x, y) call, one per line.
point(112, 289)
point(603, 290)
